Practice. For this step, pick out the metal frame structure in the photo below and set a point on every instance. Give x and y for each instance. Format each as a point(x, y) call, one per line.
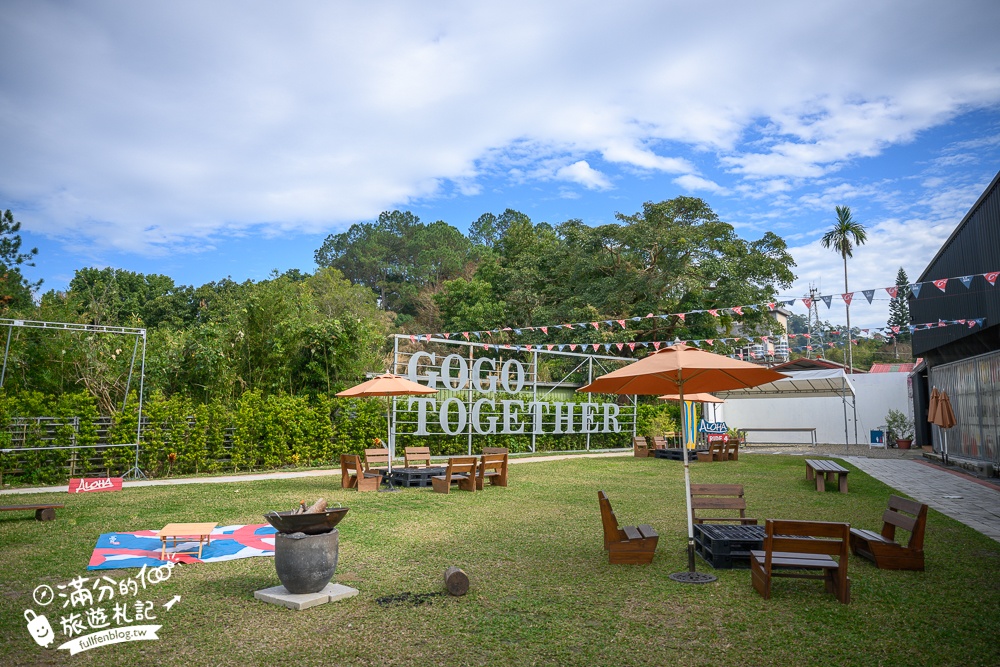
point(134, 471)
point(399, 367)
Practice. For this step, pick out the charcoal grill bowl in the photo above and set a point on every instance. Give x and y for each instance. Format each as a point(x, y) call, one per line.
point(310, 524)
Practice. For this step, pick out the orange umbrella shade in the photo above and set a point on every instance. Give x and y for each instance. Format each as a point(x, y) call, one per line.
point(684, 368)
point(945, 415)
point(932, 405)
point(697, 398)
point(387, 385)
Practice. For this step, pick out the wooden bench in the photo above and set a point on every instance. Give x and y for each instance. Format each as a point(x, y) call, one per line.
point(882, 549)
point(492, 467)
point(732, 449)
point(799, 429)
point(43, 512)
point(461, 470)
point(377, 457)
point(717, 498)
point(716, 452)
point(796, 549)
point(628, 545)
point(824, 470)
point(353, 475)
point(412, 457)
point(640, 448)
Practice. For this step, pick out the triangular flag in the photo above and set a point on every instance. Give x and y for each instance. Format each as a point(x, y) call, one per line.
point(893, 291)
point(710, 341)
point(545, 330)
point(941, 284)
point(807, 303)
point(595, 346)
point(620, 346)
point(607, 346)
point(869, 294)
point(596, 325)
point(656, 345)
point(476, 334)
point(966, 280)
point(572, 347)
point(738, 310)
point(805, 335)
point(549, 347)
point(790, 302)
point(972, 323)
point(827, 300)
point(715, 313)
point(915, 288)
point(895, 330)
point(770, 306)
point(847, 297)
point(517, 331)
point(649, 315)
point(447, 335)
point(622, 323)
point(631, 346)
point(413, 338)
point(466, 334)
point(991, 277)
point(681, 315)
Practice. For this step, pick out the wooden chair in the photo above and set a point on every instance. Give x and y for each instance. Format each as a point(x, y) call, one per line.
point(731, 449)
point(798, 548)
point(353, 475)
point(626, 545)
point(659, 442)
point(461, 470)
point(640, 449)
point(377, 457)
point(717, 498)
point(495, 450)
point(716, 452)
point(412, 457)
point(492, 467)
point(882, 549)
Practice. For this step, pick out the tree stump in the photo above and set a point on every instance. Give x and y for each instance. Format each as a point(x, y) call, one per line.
point(456, 581)
point(49, 514)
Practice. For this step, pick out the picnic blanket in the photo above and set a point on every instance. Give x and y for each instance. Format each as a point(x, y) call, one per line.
point(120, 550)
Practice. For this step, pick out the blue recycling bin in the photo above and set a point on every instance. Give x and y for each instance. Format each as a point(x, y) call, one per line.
point(878, 436)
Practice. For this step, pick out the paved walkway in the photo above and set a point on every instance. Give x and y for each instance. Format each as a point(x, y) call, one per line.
point(962, 497)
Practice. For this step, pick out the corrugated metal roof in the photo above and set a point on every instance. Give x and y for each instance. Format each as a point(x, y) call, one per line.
point(891, 368)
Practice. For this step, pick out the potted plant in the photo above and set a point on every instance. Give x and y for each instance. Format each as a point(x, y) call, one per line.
point(900, 428)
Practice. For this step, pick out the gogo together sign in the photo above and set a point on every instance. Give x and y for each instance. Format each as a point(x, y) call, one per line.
point(514, 415)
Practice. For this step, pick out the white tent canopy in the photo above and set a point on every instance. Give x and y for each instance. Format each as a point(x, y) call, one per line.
point(826, 382)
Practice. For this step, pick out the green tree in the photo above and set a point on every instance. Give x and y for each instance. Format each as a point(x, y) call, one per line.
point(15, 290)
point(899, 307)
point(846, 233)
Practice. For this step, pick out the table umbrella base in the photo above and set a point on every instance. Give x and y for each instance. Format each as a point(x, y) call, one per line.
point(693, 577)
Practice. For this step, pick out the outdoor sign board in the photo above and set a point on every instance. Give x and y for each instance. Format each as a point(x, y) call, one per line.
point(88, 484)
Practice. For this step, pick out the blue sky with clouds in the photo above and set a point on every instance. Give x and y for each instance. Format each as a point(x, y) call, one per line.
point(205, 140)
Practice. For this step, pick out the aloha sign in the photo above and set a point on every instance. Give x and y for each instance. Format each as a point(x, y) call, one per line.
point(487, 415)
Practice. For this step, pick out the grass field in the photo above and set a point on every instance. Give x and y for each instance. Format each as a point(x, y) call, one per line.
point(542, 591)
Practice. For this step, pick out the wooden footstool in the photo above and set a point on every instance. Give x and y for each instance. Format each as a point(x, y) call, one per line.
point(200, 531)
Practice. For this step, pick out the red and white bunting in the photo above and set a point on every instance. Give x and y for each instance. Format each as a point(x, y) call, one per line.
point(847, 297)
point(466, 334)
point(656, 345)
point(621, 322)
point(595, 346)
point(738, 310)
point(545, 330)
point(681, 316)
point(714, 313)
point(941, 284)
point(549, 347)
point(631, 346)
point(710, 341)
point(620, 346)
point(595, 325)
point(572, 347)
point(991, 277)
point(893, 291)
point(807, 303)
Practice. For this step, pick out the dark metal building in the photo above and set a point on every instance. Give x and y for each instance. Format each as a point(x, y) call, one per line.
point(963, 360)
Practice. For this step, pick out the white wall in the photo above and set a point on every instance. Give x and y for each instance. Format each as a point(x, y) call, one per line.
point(876, 394)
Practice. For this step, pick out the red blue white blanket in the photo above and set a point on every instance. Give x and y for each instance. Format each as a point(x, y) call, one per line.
point(120, 550)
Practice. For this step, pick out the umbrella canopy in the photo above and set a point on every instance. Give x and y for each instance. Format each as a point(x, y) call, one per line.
point(932, 405)
point(697, 398)
point(681, 368)
point(945, 415)
point(387, 385)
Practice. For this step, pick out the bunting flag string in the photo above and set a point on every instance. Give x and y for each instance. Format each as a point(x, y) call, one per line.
point(914, 289)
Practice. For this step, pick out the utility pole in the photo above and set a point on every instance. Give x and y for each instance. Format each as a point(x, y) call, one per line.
point(812, 305)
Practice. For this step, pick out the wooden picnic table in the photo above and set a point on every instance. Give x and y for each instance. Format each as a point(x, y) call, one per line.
point(824, 470)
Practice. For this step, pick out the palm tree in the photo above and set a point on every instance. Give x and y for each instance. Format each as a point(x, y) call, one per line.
point(843, 237)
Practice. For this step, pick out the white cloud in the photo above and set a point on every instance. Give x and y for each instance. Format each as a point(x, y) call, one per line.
point(150, 127)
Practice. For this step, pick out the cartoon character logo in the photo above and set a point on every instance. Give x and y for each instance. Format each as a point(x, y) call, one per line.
point(39, 628)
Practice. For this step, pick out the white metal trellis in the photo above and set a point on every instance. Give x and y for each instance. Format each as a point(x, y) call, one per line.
point(134, 471)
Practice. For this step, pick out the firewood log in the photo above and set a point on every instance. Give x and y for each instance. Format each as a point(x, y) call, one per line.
point(317, 507)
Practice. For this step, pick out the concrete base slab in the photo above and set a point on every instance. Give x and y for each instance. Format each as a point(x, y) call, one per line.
point(279, 595)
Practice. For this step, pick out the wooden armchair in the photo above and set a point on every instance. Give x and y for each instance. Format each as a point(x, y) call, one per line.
point(882, 549)
point(353, 475)
point(628, 545)
point(640, 449)
point(461, 470)
point(659, 442)
point(413, 456)
point(799, 548)
point(716, 452)
point(717, 498)
point(494, 468)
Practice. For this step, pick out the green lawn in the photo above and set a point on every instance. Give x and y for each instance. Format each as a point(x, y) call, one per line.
point(542, 591)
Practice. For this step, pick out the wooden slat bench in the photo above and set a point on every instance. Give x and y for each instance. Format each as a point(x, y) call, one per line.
point(461, 470)
point(797, 548)
point(882, 549)
point(492, 467)
point(640, 448)
point(43, 512)
point(626, 545)
point(824, 470)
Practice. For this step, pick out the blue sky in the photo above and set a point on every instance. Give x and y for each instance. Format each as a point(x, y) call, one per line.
point(206, 140)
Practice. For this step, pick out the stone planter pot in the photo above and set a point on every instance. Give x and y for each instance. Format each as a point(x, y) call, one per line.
point(306, 563)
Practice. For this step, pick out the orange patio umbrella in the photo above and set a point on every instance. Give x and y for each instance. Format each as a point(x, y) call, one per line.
point(680, 369)
point(941, 413)
point(697, 398)
point(387, 385)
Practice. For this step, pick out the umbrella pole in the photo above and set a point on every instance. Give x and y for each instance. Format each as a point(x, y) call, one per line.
point(691, 576)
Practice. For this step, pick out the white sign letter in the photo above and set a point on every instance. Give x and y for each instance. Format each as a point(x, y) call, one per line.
point(462, 415)
point(477, 421)
point(422, 405)
point(510, 416)
point(413, 372)
point(505, 376)
point(611, 418)
point(463, 372)
point(477, 375)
